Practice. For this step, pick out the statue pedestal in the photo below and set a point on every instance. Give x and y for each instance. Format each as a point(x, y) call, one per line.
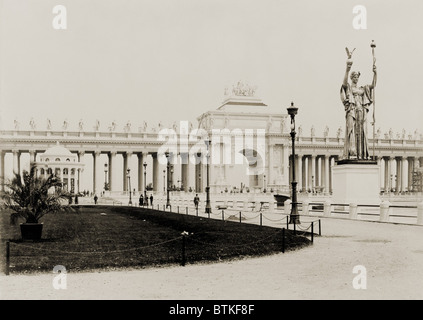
point(356, 181)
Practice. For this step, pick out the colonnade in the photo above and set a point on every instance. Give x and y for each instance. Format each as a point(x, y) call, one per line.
point(397, 172)
point(314, 174)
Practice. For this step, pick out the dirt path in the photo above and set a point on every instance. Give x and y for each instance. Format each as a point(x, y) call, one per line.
point(392, 255)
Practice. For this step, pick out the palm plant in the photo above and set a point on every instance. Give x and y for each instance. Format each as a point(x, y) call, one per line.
point(29, 198)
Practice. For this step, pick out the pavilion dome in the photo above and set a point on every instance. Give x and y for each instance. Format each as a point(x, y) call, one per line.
point(58, 153)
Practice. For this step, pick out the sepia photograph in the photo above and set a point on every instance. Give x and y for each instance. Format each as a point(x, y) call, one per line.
point(212, 156)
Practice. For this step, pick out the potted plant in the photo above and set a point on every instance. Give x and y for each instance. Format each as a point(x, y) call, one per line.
point(30, 198)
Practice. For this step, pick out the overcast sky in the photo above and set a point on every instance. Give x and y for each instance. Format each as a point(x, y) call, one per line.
point(167, 60)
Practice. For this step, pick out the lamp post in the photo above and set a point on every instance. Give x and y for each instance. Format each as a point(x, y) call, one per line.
point(105, 177)
point(128, 171)
point(164, 181)
point(294, 217)
point(145, 180)
point(167, 187)
point(208, 206)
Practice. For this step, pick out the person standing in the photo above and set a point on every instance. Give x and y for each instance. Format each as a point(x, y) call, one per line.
point(151, 200)
point(196, 200)
point(95, 199)
point(141, 200)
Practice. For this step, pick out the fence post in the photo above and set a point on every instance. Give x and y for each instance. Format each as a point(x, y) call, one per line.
point(7, 257)
point(287, 206)
point(186, 210)
point(287, 222)
point(320, 228)
point(223, 215)
point(384, 211)
point(283, 240)
point(327, 208)
point(420, 213)
point(183, 250)
point(240, 218)
point(295, 228)
point(306, 209)
point(261, 219)
point(353, 210)
point(312, 231)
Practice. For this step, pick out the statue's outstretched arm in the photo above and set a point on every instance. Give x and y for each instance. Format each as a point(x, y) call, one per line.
point(345, 82)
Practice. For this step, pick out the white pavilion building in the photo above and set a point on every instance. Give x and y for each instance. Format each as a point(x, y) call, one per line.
point(64, 164)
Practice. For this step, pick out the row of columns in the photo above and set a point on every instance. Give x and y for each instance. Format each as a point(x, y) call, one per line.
point(313, 172)
point(397, 172)
point(112, 171)
point(16, 167)
point(69, 176)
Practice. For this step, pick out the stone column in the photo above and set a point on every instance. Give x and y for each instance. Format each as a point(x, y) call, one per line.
point(96, 175)
point(126, 158)
point(411, 165)
point(69, 185)
point(327, 174)
point(317, 181)
point(16, 164)
point(112, 171)
point(184, 170)
point(81, 159)
point(309, 173)
point(331, 164)
point(285, 166)
point(300, 173)
point(270, 163)
point(32, 156)
point(156, 172)
point(387, 173)
point(140, 166)
point(77, 178)
point(380, 163)
point(404, 176)
point(313, 172)
point(398, 175)
point(61, 176)
point(391, 173)
point(2, 177)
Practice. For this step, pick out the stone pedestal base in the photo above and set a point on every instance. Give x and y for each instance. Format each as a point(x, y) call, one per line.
point(356, 182)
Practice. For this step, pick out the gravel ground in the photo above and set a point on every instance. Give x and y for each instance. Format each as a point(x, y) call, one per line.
point(391, 253)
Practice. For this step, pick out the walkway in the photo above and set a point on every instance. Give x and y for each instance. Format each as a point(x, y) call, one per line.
point(391, 253)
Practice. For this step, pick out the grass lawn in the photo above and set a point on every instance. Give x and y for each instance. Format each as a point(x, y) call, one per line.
point(104, 237)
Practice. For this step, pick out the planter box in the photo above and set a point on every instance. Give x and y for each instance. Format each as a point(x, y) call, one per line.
point(31, 231)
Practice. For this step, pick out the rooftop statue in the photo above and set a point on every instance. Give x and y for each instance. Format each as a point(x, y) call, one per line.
point(243, 89)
